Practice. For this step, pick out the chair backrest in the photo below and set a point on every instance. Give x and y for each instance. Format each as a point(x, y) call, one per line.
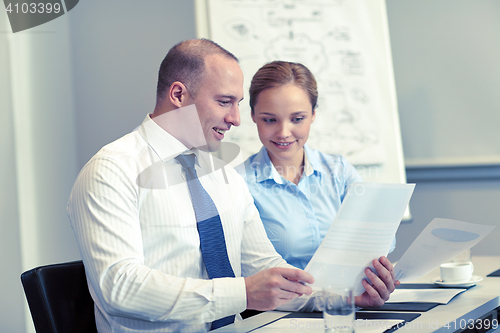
point(59, 299)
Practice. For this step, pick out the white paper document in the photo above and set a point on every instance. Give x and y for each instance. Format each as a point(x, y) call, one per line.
point(442, 296)
point(317, 325)
point(440, 241)
point(362, 230)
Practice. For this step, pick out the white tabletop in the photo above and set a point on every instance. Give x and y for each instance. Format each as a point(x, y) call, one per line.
point(459, 312)
point(470, 305)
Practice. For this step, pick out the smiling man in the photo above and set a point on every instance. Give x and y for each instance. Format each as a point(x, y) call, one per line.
point(164, 250)
point(212, 80)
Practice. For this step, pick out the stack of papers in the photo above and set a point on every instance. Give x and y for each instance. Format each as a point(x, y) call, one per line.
point(441, 296)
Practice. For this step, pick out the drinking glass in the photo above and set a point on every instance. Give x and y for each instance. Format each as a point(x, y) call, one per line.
point(338, 311)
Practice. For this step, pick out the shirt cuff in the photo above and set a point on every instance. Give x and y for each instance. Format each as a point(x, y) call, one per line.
point(230, 296)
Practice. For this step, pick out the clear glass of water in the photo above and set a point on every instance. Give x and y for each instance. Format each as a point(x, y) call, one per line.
point(338, 311)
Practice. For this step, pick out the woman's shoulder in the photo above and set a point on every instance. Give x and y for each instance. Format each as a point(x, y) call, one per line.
point(335, 165)
point(331, 160)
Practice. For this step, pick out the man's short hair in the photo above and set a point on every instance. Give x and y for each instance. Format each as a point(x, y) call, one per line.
point(185, 62)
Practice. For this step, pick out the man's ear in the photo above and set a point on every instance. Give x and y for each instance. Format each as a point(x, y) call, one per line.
point(178, 94)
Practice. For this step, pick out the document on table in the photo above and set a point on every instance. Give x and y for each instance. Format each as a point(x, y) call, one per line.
point(442, 296)
point(440, 241)
point(362, 230)
point(317, 325)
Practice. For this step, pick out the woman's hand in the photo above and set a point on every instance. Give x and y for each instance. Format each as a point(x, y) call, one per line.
point(381, 286)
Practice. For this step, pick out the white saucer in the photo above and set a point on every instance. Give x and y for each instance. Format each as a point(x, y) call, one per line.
point(472, 282)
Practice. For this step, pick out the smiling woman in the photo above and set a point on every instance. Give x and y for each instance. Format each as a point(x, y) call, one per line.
point(298, 190)
point(284, 116)
point(283, 98)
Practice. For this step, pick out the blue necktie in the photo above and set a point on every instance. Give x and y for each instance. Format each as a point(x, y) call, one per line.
point(212, 241)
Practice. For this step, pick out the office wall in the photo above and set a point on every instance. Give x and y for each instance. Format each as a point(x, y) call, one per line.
point(117, 47)
point(447, 74)
point(445, 56)
point(11, 301)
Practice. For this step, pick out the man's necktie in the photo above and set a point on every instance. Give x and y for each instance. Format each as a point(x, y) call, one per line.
point(212, 241)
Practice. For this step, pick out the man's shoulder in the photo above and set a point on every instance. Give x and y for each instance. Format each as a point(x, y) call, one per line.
point(129, 145)
point(125, 153)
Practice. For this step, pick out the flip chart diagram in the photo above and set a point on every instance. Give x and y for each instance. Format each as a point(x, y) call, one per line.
point(337, 41)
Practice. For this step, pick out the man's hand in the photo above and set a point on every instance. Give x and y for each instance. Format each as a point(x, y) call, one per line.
point(381, 286)
point(272, 287)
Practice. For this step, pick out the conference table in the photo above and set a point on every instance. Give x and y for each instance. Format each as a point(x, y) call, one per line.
point(470, 311)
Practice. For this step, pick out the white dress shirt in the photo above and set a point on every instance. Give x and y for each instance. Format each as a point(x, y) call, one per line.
point(131, 212)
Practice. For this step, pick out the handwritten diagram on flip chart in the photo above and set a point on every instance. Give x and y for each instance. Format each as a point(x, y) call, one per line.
point(339, 41)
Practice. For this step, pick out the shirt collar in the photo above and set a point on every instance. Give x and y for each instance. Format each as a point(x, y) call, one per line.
point(264, 168)
point(308, 164)
point(163, 143)
point(312, 162)
point(167, 147)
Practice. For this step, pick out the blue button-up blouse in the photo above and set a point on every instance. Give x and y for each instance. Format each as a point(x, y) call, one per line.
point(297, 217)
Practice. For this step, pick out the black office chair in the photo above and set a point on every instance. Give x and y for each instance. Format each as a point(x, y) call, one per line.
point(59, 299)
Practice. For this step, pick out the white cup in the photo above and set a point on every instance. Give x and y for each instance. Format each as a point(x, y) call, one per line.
point(338, 311)
point(456, 272)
